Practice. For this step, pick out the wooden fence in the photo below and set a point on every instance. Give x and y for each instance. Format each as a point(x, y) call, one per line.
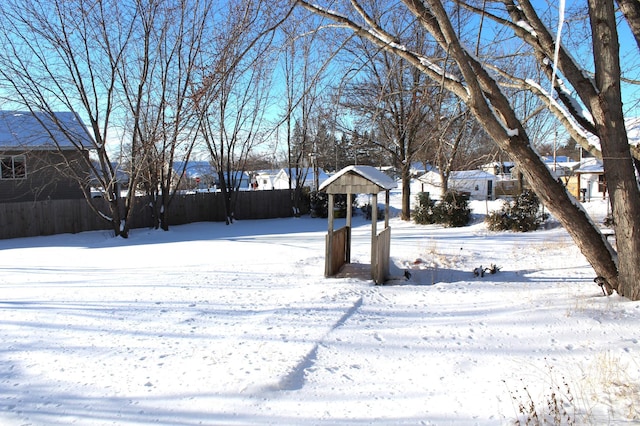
point(338, 253)
point(380, 263)
point(29, 219)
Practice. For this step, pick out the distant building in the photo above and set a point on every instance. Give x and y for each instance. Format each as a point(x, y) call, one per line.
point(478, 184)
point(591, 181)
point(43, 156)
point(307, 177)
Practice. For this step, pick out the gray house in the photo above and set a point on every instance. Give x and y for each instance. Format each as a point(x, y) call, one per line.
point(43, 156)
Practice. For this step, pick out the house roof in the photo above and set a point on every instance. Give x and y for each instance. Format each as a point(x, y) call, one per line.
point(474, 175)
point(358, 180)
point(306, 173)
point(41, 130)
point(194, 169)
point(471, 175)
point(590, 165)
point(433, 177)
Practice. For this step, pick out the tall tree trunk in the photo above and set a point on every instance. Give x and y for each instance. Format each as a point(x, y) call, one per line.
point(406, 191)
point(618, 162)
point(631, 11)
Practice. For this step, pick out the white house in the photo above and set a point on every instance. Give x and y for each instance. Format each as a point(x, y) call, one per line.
point(477, 183)
point(591, 179)
point(281, 180)
point(263, 180)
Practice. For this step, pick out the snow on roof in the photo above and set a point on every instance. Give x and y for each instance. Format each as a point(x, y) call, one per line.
point(370, 173)
point(41, 130)
point(590, 165)
point(306, 173)
point(194, 168)
point(470, 175)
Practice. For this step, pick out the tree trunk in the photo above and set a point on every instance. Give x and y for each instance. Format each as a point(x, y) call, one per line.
point(618, 162)
point(492, 109)
point(631, 11)
point(406, 191)
point(554, 196)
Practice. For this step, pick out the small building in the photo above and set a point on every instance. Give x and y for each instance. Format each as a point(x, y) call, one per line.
point(196, 175)
point(591, 181)
point(43, 156)
point(307, 176)
point(263, 180)
point(477, 183)
point(358, 180)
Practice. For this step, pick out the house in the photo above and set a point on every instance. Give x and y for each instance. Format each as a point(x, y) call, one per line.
point(202, 176)
point(281, 180)
point(196, 175)
point(591, 181)
point(501, 169)
point(43, 156)
point(263, 180)
point(477, 183)
point(418, 168)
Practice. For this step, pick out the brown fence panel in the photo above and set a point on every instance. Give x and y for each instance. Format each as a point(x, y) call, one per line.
point(28, 219)
point(383, 251)
point(337, 254)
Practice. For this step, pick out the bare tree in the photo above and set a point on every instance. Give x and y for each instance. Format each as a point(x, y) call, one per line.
point(304, 57)
point(233, 90)
point(66, 55)
point(160, 92)
point(393, 100)
point(478, 87)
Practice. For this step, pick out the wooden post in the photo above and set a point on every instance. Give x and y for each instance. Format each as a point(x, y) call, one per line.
point(348, 239)
point(374, 231)
point(386, 209)
point(330, 208)
point(349, 210)
point(328, 250)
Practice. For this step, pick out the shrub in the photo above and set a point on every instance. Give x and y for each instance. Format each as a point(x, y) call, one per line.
point(521, 215)
point(452, 211)
point(423, 213)
point(319, 204)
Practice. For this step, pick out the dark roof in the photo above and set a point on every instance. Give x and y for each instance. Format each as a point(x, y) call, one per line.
point(41, 130)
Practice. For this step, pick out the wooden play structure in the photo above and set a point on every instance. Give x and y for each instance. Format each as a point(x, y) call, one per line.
point(358, 180)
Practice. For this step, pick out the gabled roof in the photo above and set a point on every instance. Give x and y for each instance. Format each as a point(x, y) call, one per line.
point(41, 130)
point(194, 168)
point(306, 173)
point(358, 180)
point(469, 175)
point(590, 165)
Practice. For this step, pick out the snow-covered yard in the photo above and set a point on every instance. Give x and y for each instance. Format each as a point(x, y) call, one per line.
point(233, 325)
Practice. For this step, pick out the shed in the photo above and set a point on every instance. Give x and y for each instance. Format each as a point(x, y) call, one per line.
point(358, 180)
point(478, 183)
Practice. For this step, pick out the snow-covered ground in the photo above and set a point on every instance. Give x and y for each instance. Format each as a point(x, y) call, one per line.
point(234, 325)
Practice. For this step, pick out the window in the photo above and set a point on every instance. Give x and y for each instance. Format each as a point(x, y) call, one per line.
point(14, 167)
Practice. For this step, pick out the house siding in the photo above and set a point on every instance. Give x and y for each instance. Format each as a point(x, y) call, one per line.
point(43, 180)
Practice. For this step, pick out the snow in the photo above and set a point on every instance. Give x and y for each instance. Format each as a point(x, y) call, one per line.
point(213, 324)
point(38, 130)
point(528, 28)
point(370, 173)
